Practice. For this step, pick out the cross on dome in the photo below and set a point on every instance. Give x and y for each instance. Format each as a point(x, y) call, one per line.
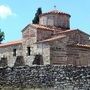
point(55, 7)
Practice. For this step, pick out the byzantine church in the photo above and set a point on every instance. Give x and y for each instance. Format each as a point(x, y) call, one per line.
point(52, 41)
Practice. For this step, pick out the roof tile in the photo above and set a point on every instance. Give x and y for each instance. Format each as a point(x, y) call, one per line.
point(52, 39)
point(81, 45)
point(55, 12)
point(11, 43)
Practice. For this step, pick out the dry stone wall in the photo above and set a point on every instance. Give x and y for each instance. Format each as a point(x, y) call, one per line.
point(47, 76)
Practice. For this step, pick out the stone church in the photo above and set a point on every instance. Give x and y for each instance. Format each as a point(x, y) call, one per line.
point(49, 42)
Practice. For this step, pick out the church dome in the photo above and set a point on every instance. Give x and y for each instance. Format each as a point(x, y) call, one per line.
point(55, 19)
point(54, 12)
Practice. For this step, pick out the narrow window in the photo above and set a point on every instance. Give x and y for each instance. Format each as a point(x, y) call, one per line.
point(14, 52)
point(28, 51)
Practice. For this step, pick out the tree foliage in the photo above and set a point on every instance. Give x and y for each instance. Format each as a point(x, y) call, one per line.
point(1, 36)
point(36, 18)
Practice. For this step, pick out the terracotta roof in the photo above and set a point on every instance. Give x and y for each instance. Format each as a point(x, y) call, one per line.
point(81, 45)
point(38, 26)
point(11, 43)
point(41, 27)
point(69, 30)
point(66, 31)
point(52, 39)
point(54, 12)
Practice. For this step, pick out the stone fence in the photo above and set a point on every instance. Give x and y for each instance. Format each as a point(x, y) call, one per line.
point(47, 76)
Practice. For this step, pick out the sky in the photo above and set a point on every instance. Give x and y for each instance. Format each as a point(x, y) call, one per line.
point(16, 14)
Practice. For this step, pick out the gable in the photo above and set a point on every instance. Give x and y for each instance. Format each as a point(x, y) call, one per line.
point(83, 32)
point(28, 32)
point(80, 37)
point(76, 36)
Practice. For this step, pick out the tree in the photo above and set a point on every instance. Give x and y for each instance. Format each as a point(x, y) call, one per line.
point(1, 36)
point(36, 18)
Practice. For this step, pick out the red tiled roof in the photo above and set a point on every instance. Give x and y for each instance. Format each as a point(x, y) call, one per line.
point(42, 27)
point(81, 45)
point(54, 12)
point(69, 30)
point(11, 43)
point(66, 31)
point(52, 39)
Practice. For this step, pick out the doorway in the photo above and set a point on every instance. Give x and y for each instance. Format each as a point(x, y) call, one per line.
point(38, 60)
point(19, 61)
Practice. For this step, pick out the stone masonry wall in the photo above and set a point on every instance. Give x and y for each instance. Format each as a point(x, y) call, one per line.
point(47, 76)
point(58, 54)
point(7, 52)
point(43, 34)
point(78, 56)
point(55, 20)
point(78, 37)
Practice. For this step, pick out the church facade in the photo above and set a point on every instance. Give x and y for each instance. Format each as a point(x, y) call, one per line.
point(49, 42)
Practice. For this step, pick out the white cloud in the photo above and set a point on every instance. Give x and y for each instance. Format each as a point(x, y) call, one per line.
point(5, 11)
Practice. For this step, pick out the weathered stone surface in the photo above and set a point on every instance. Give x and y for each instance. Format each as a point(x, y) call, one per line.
point(45, 76)
point(56, 20)
point(7, 52)
point(53, 40)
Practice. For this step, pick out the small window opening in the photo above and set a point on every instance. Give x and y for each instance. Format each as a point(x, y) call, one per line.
point(14, 52)
point(28, 51)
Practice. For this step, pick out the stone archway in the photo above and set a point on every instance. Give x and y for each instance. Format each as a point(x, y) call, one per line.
point(38, 60)
point(19, 61)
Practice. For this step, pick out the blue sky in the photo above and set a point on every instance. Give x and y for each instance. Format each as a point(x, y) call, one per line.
point(16, 14)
